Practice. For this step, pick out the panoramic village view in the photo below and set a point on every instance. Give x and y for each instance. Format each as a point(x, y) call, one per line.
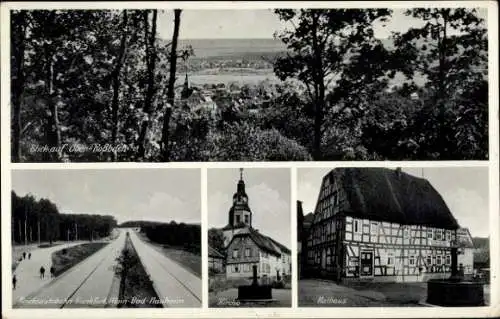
point(249, 255)
point(393, 237)
point(214, 85)
point(93, 243)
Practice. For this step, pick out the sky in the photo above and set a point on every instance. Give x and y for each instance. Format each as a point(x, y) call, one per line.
point(254, 24)
point(464, 189)
point(268, 191)
point(127, 194)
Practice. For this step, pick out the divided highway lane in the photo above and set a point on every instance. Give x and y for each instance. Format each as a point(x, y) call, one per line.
point(174, 285)
point(87, 284)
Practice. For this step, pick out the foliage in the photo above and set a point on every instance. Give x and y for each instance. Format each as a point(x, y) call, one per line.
point(450, 51)
point(331, 45)
point(54, 225)
point(245, 142)
point(216, 240)
point(186, 236)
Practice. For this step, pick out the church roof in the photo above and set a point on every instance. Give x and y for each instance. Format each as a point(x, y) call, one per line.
point(263, 242)
point(393, 196)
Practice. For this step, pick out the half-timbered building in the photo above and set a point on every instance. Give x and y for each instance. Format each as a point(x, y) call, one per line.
point(380, 224)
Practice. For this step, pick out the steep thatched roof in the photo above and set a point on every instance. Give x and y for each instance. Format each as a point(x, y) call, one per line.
point(393, 196)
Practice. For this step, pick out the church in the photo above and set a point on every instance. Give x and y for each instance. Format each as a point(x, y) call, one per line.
point(246, 247)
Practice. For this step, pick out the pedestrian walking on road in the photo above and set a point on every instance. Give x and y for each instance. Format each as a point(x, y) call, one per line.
point(42, 272)
point(14, 281)
point(29, 256)
point(24, 255)
point(52, 272)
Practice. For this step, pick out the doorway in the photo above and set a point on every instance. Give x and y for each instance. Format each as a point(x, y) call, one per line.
point(366, 264)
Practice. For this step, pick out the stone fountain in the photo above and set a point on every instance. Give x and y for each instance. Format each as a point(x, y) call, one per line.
point(455, 291)
point(254, 291)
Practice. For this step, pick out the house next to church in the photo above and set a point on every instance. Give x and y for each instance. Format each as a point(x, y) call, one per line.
point(247, 248)
point(382, 224)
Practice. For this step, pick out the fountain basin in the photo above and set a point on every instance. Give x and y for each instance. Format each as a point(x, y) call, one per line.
point(455, 293)
point(255, 292)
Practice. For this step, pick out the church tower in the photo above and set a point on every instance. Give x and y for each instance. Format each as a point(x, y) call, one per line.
point(240, 215)
point(186, 91)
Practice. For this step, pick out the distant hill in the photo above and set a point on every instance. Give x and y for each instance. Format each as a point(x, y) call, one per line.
point(207, 48)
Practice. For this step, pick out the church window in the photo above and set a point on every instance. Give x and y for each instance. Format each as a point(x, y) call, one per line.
point(247, 252)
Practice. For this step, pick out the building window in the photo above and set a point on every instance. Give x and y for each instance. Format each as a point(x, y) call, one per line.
point(235, 253)
point(390, 260)
point(412, 260)
point(429, 260)
point(438, 234)
point(246, 219)
point(438, 259)
point(448, 259)
point(238, 219)
point(374, 228)
point(247, 252)
point(357, 229)
point(448, 235)
point(335, 198)
point(430, 234)
point(246, 267)
point(406, 232)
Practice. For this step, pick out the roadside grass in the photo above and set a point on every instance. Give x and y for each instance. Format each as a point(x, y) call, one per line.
point(136, 288)
point(181, 255)
point(66, 258)
point(187, 259)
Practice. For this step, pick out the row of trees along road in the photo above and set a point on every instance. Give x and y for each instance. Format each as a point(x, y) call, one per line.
point(82, 78)
point(34, 220)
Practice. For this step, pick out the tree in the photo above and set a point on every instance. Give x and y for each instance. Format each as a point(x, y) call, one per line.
point(150, 39)
point(116, 81)
point(320, 46)
point(165, 149)
point(18, 46)
point(450, 51)
point(216, 240)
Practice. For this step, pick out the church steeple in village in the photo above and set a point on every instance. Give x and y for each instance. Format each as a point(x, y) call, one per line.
point(240, 214)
